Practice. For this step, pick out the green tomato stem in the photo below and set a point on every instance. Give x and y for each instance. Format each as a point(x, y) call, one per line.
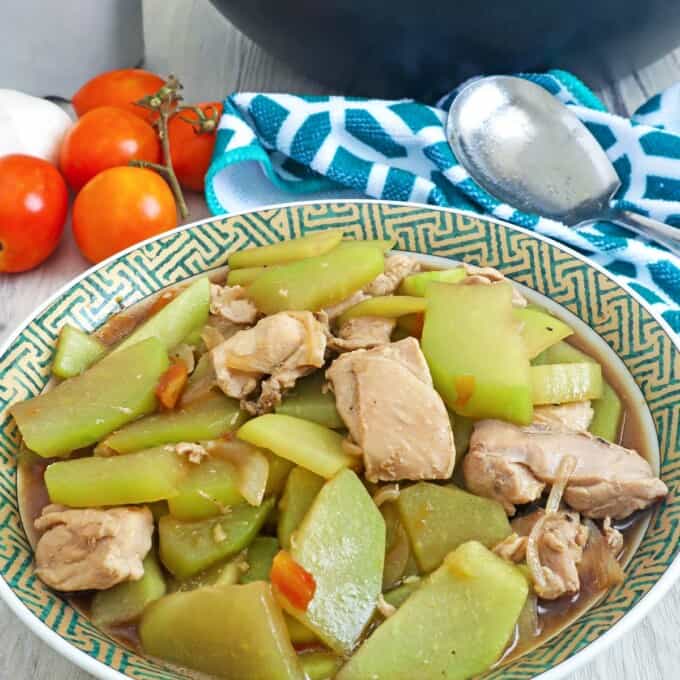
point(165, 102)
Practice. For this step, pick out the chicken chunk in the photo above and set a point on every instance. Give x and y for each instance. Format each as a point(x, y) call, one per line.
point(232, 304)
point(559, 541)
point(386, 398)
point(363, 332)
point(513, 548)
point(397, 268)
point(505, 480)
point(92, 549)
point(488, 276)
point(237, 384)
point(273, 389)
point(576, 416)
point(552, 544)
point(612, 536)
point(284, 346)
point(513, 465)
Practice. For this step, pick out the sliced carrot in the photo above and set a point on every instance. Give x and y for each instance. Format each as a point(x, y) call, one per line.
point(292, 581)
point(171, 385)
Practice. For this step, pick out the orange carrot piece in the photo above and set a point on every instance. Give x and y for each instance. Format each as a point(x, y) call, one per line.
point(292, 581)
point(171, 385)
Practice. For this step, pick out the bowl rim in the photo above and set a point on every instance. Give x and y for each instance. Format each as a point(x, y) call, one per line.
point(627, 622)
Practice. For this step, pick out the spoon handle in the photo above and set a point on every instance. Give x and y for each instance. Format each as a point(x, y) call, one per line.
point(651, 229)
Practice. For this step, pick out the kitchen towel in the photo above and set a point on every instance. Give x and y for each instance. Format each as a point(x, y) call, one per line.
point(274, 148)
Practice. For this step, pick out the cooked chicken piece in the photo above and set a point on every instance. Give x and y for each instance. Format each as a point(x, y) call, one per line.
point(363, 332)
point(576, 416)
point(341, 307)
point(273, 389)
point(513, 548)
point(508, 482)
point(194, 453)
point(616, 498)
point(512, 465)
point(397, 268)
point(233, 383)
point(92, 549)
point(487, 276)
point(406, 352)
point(284, 346)
point(284, 340)
point(559, 547)
point(386, 398)
point(552, 547)
point(231, 303)
point(575, 553)
point(613, 536)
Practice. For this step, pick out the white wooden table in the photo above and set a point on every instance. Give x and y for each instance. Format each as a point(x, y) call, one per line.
point(190, 38)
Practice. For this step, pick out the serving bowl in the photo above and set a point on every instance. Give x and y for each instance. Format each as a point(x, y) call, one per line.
point(648, 352)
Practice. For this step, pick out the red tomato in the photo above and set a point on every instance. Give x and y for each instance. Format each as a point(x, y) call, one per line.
point(120, 207)
point(191, 151)
point(118, 88)
point(105, 138)
point(292, 580)
point(33, 208)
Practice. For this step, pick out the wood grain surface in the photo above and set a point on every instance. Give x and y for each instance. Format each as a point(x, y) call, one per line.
point(190, 38)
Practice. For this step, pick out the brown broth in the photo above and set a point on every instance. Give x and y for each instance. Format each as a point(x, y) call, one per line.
point(553, 616)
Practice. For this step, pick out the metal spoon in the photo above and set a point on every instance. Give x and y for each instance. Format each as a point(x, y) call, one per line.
point(529, 150)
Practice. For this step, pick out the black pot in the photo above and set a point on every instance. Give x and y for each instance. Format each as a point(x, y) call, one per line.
point(421, 48)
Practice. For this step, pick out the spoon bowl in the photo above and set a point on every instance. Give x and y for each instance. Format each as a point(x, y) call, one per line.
point(527, 149)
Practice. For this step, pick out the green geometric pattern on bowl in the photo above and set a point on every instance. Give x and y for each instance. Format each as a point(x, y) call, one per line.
point(623, 322)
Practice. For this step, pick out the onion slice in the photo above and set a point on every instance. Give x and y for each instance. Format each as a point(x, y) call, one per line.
point(389, 492)
point(252, 467)
point(564, 473)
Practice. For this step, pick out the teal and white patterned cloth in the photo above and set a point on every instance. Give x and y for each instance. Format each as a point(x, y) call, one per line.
point(273, 148)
